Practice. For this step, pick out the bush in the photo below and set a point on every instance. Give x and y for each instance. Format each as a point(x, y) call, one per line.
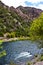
point(8, 35)
point(36, 29)
point(41, 58)
point(29, 63)
point(1, 34)
point(3, 53)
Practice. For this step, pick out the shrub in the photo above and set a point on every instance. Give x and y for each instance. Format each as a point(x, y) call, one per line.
point(29, 63)
point(41, 58)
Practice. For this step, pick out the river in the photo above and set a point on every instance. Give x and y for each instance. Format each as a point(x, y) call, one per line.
point(19, 51)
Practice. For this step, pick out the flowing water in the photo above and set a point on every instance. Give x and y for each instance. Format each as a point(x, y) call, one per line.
point(19, 51)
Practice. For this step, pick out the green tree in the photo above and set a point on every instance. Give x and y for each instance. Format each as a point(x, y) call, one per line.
point(36, 29)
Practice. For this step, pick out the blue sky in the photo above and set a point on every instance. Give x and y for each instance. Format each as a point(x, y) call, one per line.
point(33, 4)
point(29, 3)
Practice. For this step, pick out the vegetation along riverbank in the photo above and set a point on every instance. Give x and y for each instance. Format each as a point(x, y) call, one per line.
point(21, 23)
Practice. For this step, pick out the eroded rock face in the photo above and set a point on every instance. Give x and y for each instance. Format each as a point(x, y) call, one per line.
point(17, 19)
point(30, 11)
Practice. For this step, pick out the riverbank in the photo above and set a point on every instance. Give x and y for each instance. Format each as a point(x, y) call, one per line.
point(16, 48)
point(38, 60)
point(1, 41)
point(14, 39)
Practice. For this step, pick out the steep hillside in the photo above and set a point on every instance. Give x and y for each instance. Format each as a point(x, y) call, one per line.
point(16, 21)
point(31, 12)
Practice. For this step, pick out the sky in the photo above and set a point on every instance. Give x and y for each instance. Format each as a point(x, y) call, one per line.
point(29, 3)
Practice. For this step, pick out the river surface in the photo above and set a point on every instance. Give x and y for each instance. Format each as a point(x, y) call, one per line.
point(19, 52)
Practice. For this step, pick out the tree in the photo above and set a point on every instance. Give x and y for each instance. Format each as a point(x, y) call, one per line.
point(36, 28)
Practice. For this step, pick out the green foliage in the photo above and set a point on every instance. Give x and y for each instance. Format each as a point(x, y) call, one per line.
point(36, 29)
point(11, 22)
point(29, 63)
point(1, 34)
point(3, 53)
point(10, 35)
point(41, 58)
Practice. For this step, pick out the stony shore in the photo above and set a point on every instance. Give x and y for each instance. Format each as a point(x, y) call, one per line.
point(14, 39)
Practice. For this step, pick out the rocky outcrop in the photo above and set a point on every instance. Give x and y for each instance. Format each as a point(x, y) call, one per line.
point(17, 19)
point(31, 12)
point(39, 63)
